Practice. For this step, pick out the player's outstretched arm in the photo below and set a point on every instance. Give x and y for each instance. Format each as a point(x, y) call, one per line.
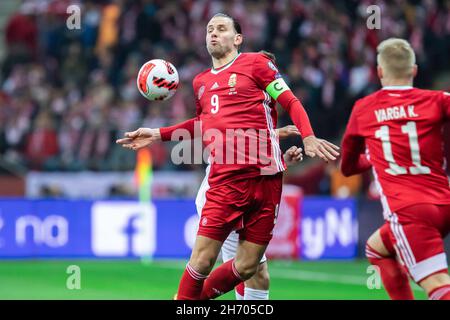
point(293, 155)
point(142, 137)
point(313, 146)
point(321, 148)
point(268, 77)
point(354, 161)
point(287, 131)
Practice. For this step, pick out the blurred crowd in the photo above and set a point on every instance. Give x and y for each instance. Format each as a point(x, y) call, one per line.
point(67, 94)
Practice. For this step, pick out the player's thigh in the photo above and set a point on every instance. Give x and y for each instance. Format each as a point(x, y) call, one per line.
point(220, 214)
point(380, 241)
point(416, 233)
point(204, 254)
point(248, 257)
point(441, 277)
point(435, 280)
point(229, 247)
point(259, 222)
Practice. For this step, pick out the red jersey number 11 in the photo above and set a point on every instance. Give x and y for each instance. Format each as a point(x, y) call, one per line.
point(394, 169)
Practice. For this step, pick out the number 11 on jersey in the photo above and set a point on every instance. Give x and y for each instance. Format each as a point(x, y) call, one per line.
point(394, 169)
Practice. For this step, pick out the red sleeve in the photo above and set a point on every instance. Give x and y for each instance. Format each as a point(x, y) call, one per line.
point(446, 104)
point(264, 70)
point(298, 114)
point(166, 132)
point(264, 73)
point(354, 160)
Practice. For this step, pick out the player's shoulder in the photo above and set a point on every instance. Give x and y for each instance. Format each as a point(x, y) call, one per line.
point(255, 56)
point(366, 100)
point(200, 77)
point(261, 62)
point(428, 93)
point(436, 97)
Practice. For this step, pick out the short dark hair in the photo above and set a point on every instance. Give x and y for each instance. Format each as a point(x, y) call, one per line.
point(236, 25)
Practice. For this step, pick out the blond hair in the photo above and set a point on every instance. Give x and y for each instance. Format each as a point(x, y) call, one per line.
point(396, 57)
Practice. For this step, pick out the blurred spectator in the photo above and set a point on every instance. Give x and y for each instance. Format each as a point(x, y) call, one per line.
point(42, 142)
point(21, 33)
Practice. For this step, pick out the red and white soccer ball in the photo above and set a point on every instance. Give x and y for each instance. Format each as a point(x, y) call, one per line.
point(157, 80)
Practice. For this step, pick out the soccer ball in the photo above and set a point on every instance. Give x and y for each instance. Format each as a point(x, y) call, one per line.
point(157, 80)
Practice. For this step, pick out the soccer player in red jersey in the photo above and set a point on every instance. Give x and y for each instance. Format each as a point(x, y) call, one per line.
point(257, 287)
point(237, 94)
point(398, 131)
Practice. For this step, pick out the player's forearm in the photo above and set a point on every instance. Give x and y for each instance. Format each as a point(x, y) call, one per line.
point(354, 161)
point(354, 164)
point(189, 125)
point(297, 113)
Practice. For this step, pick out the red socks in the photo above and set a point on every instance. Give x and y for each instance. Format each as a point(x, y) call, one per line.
point(393, 276)
point(191, 284)
point(240, 289)
point(221, 280)
point(440, 293)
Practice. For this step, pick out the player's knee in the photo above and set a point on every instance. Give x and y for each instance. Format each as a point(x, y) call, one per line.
point(246, 269)
point(202, 262)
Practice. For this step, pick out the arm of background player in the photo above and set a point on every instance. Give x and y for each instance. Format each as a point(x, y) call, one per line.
point(287, 131)
point(446, 105)
point(354, 160)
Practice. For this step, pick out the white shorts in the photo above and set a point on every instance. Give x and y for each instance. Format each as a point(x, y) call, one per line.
point(230, 245)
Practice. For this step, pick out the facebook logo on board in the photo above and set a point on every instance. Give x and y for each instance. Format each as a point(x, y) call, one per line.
point(123, 229)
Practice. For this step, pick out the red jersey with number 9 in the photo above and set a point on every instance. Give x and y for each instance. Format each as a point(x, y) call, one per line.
point(239, 116)
point(401, 129)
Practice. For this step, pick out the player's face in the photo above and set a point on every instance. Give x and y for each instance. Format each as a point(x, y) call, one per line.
point(221, 38)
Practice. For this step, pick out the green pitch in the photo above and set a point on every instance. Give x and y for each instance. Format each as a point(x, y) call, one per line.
point(158, 279)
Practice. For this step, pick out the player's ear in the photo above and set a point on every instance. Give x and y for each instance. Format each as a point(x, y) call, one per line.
point(414, 70)
point(238, 39)
point(379, 72)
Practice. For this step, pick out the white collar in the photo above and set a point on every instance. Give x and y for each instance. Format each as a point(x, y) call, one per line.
point(397, 87)
point(215, 71)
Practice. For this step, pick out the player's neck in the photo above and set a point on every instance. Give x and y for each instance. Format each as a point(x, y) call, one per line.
point(218, 63)
point(396, 83)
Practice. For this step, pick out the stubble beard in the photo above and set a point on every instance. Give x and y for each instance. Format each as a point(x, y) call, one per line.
point(217, 52)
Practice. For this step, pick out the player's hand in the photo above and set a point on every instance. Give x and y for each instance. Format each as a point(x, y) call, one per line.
point(321, 148)
point(287, 131)
point(142, 137)
point(293, 155)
